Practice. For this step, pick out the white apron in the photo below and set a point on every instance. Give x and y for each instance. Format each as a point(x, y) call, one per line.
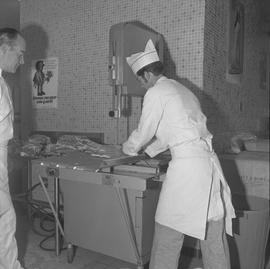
point(184, 200)
point(190, 196)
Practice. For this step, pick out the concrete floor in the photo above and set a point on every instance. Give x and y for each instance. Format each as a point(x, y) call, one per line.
point(32, 256)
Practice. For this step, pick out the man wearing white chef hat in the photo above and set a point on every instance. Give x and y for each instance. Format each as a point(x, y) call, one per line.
point(195, 199)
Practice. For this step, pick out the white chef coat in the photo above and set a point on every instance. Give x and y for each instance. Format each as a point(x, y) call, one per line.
point(6, 133)
point(191, 192)
point(6, 112)
point(8, 245)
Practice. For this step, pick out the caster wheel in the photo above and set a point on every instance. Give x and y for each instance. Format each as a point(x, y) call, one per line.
point(70, 253)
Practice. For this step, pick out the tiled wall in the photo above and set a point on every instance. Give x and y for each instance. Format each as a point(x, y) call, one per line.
point(234, 108)
point(77, 32)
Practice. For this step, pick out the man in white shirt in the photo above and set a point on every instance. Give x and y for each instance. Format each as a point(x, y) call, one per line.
point(195, 199)
point(12, 47)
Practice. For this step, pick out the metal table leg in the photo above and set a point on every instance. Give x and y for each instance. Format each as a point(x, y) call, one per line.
point(29, 186)
point(129, 225)
point(56, 206)
point(55, 211)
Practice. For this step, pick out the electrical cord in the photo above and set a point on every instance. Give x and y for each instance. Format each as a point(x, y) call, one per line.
point(42, 243)
point(41, 213)
point(25, 194)
point(42, 225)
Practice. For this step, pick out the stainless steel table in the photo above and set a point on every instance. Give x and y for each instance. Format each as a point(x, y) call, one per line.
point(109, 203)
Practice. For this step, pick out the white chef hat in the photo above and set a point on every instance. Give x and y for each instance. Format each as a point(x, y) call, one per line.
point(138, 60)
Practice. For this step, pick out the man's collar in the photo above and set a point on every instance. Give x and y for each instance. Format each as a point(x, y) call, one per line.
point(0, 72)
point(161, 78)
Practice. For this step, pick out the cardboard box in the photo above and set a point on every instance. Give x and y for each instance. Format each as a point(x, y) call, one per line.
point(247, 172)
point(261, 145)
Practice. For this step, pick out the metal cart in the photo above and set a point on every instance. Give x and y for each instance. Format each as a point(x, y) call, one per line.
point(109, 204)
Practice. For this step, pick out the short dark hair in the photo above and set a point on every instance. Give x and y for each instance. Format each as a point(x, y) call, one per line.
point(8, 36)
point(157, 68)
point(37, 64)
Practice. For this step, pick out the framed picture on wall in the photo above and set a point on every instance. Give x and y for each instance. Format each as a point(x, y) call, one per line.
point(236, 37)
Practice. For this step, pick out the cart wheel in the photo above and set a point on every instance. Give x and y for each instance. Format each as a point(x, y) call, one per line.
point(70, 253)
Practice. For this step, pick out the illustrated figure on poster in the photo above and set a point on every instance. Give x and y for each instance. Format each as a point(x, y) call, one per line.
point(40, 78)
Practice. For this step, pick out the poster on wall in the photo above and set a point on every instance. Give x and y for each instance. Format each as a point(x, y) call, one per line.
point(44, 77)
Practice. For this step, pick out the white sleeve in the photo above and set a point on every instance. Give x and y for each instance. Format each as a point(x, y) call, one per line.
point(155, 148)
point(151, 114)
point(3, 106)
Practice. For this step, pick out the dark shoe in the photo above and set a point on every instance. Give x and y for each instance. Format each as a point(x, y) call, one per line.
point(43, 93)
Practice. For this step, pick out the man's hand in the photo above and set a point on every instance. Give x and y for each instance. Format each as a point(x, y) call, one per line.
point(127, 150)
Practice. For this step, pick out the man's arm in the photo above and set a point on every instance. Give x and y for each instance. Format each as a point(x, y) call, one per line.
point(148, 124)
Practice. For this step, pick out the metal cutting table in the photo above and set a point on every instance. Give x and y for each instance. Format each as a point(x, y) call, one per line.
point(109, 203)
